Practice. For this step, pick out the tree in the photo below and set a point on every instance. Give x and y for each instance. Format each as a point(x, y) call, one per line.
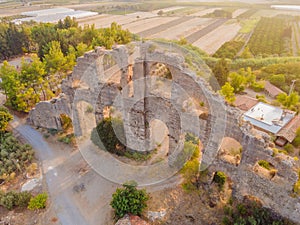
point(5, 118)
point(288, 101)
point(237, 81)
point(129, 200)
point(221, 71)
point(9, 84)
point(228, 92)
point(54, 60)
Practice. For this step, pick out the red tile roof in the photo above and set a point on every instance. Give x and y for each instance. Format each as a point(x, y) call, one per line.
point(272, 90)
point(244, 102)
point(289, 130)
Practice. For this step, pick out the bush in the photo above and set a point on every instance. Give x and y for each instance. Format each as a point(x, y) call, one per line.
point(251, 212)
point(13, 199)
point(264, 164)
point(38, 202)
point(289, 148)
point(220, 178)
point(13, 155)
point(129, 200)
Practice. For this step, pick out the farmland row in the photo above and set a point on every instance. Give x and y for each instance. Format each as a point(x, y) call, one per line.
point(162, 27)
point(141, 25)
point(238, 12)
point(198, 34)
point(204, 12)
point(184, 29)
point(270, 36)
point(211, 42)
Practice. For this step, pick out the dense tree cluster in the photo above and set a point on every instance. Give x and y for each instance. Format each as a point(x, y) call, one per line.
point(271, 37)
point(57, 46)
point(229, 49)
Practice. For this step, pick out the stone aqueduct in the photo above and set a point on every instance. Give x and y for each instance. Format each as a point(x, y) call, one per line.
point(101, 75)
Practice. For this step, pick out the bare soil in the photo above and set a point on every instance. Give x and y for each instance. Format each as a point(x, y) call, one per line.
point(204, 206)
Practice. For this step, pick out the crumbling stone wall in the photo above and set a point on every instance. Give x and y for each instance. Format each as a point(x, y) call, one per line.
point(99, 84)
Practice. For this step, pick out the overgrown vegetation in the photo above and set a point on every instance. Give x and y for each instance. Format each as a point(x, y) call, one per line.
point(129, 200)
point(220, 178)
point(57, 46)
point(297, 184)
point(14, 157)
point(264, 164)
point(251, 212)
point(271, 36)
point(190, 170)
point(38, 202)
point(14, 199)
point(229, 49)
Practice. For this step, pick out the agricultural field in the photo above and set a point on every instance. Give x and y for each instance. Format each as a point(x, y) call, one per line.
point(296, 38)
point(184, 29)
point(205, 12)
point(211, 42)
point(142, 25)
point(238, 12)
point(271, 36)
point(274, 12)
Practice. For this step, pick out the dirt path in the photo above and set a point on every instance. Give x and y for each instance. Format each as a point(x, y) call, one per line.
point(62, 173)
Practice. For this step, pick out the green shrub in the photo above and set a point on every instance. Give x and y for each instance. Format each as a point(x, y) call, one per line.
point(129, 200)
point(220, 178)
point(8, 200)
point(13, 155)
point(264, 164)
point(38, 202)
point(23, 198)
point(13, 199)
point(289, 148)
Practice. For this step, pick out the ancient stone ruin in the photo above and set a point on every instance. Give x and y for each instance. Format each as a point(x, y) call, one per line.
point(131, 80)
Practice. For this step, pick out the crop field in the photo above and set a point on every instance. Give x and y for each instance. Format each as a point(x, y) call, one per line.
point(195, 36)
point(274, 12)
point(204, 12)
point(271, 36)
point(142, 25)
point(211, 42)
point(238, 12)
point(184, 29)
point(162, 27)
point(296, 38)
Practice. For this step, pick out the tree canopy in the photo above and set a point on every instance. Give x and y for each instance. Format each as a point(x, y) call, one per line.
point(129, 200)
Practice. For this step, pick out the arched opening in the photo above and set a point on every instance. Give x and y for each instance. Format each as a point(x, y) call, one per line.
point(230, 151)
point(159, 137)
point(67, 134)
point(160, 70)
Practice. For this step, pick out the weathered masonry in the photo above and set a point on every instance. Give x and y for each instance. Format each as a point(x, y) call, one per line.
point(134, 73)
